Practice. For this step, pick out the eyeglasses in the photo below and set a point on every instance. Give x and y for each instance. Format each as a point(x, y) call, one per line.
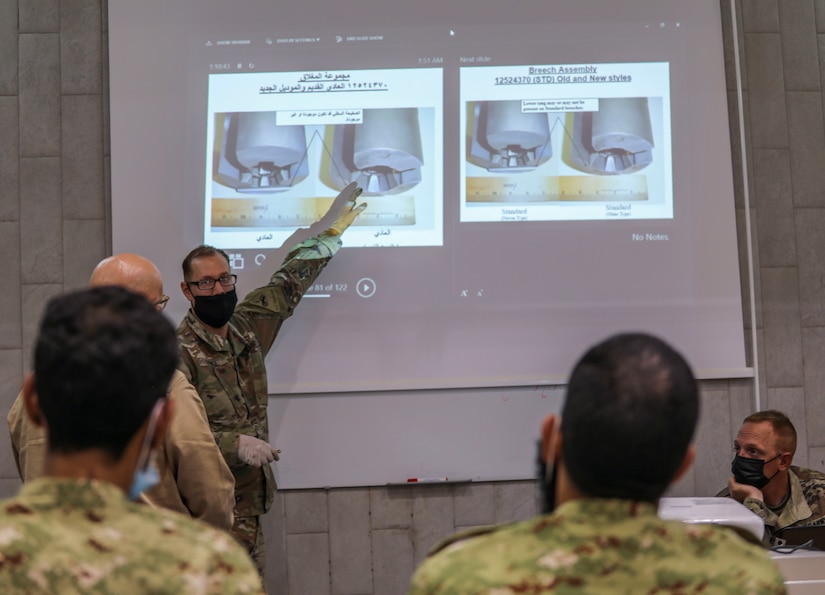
point(161, 303)
point(205, 284)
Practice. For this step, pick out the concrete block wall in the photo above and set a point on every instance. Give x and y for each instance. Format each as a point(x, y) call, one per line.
point(55, 225)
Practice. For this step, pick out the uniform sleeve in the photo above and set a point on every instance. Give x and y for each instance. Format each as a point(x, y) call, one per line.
point(424, 581)
point(277, 299)
point(28, 442)
point(768, 517)
point(205, 483)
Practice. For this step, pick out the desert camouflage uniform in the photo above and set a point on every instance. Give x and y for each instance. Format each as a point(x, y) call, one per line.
point(194, 479)
point(68, 536)
point(596, 546)
point(805, 506)
point(230, 375)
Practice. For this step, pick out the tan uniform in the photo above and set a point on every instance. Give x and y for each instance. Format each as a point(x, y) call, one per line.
point(194, 478)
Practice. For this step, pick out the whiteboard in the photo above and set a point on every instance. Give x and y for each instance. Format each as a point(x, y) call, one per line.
point(376, 439)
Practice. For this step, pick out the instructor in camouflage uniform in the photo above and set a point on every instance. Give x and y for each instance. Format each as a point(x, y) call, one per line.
point(624, 435)
point(223, 345)
point(103, 359)
point(766, 481)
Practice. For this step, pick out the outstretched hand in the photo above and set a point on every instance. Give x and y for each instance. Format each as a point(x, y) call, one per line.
point(349, 211)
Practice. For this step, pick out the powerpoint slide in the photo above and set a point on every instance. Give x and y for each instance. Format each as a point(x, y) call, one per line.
point(280, 146)
point(566, 142)
point(551, 172)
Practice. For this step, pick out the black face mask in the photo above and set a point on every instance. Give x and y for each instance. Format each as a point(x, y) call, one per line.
point(751, 471)
point(215, 310)
point(547, 483)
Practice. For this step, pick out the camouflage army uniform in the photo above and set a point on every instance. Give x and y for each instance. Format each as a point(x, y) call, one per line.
point(194, 479)
point(71, 536)
point(597, 546)
point(230, 376)
point(805, 505)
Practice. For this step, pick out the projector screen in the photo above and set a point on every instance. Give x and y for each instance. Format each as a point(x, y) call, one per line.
point(539, 174)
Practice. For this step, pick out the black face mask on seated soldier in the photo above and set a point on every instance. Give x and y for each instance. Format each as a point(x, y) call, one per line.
point(751, 471)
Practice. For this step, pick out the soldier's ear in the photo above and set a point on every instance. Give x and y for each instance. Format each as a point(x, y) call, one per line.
point(550, 438)
point(187, 293)
point(30, 401)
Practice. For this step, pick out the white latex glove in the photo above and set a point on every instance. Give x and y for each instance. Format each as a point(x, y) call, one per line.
point(255, 452)
point(349, 211)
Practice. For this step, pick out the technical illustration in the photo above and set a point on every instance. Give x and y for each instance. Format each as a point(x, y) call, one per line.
point(257, 155)
point(616, 139)
point(506, 139)
point(382, 154)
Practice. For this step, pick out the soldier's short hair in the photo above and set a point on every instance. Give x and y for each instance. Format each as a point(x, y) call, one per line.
point(102, 359)
point(202, 251)
point(629, 415)
point(782, 427)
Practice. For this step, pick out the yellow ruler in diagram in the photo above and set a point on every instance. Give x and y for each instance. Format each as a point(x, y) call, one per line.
point(515, 189)
point(280, 211)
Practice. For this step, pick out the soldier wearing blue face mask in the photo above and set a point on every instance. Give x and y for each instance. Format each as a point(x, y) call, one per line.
point(102, 364)
point(188, 474)
point(765, 480)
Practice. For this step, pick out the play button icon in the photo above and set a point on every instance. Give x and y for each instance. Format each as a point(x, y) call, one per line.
point(365, 287)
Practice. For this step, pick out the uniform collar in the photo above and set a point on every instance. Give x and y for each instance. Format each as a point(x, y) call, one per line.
point(51, 492)
point(216, 342)
point(797, 506)
point(607, 509)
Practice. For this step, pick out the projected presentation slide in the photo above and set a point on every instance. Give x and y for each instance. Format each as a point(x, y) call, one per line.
point(281, 145)
point(537, 177)
point(566, 142)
